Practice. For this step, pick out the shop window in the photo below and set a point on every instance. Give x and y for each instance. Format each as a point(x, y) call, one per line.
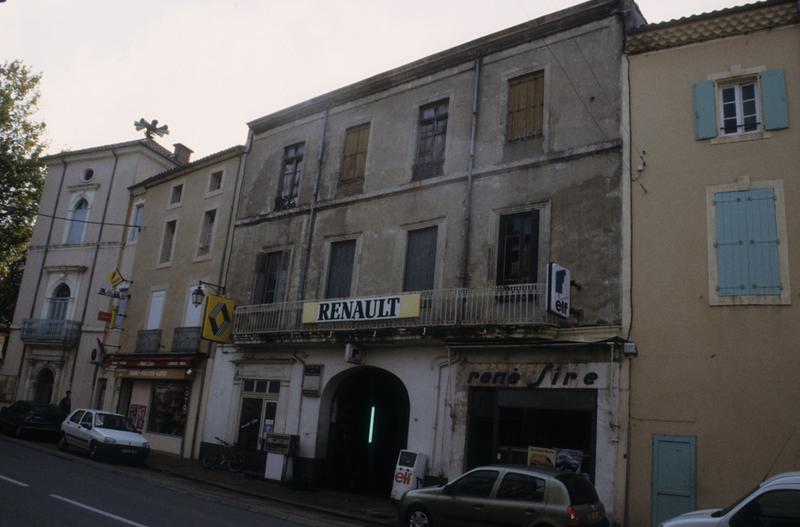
point(340, 269)
point(420, 259)
point(431, 137)
point(518, 248)
point(169, 407)
point(291, 172)
point(257, 412)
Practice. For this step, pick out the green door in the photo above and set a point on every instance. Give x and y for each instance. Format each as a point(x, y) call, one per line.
point(673, 477)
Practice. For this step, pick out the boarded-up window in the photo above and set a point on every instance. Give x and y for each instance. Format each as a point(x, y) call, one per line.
point(270, 277)
point(340, 269)
point(431, 140)
point(420, 259)
point(525, 106)
point(518, 249)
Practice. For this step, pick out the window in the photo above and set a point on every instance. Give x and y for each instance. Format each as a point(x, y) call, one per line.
point(477, 484)
point(521, 487)
point(167, 241)
point(86, 420)
point(156, 310)
point(59, 303)
point(169, 406)
point(525, 106)
point(354, 158)
point(431, 137)
point(207, 232)
point(740, 102)
point(420, 259)
point(136, 222)
point(215, 181)
point(518, 248)
point(291, 172)
point(176, 195)
point(257, 414)
point(340, 269)
point(77, 224)
point(88, 174)
point(270, 277)
point(748, 257)
point(778, 507)
point(76, 417)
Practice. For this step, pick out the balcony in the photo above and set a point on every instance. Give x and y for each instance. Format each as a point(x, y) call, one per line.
point(53, 332)
point(148, 341)
point(518, 305)
point(186, 340)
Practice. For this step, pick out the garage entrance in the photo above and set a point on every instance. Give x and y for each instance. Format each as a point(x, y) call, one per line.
point(367, 426)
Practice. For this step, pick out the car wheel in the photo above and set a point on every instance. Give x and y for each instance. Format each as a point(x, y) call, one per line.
point(418, 517)
point(94, 451)
point(19, 432)
point(62, 443)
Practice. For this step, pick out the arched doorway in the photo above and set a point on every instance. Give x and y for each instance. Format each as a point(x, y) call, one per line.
point(44, 386)
point(367, 428)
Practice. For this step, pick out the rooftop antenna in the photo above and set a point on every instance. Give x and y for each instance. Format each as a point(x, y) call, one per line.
point(151, 128)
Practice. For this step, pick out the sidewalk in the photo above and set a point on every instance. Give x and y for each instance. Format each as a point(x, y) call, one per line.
point(367, 509)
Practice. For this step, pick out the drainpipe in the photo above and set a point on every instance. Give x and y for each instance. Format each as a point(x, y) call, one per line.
point(41, 273)
point(94, 264)
point(468, 201)
point(313, 211)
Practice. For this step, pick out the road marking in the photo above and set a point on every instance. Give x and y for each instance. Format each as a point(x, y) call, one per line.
point(15, 482)
point(98, 511)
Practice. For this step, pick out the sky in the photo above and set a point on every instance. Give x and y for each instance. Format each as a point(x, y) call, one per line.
point(207, 67)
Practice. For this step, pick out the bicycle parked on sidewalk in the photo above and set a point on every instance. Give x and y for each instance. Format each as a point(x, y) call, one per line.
point(226, 456)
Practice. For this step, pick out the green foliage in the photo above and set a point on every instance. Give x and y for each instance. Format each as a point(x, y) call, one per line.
point(21, 175)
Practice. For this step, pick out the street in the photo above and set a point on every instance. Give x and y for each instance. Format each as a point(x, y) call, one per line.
point(40, 488)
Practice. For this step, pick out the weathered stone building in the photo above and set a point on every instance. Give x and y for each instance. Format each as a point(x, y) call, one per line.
point(390, 258)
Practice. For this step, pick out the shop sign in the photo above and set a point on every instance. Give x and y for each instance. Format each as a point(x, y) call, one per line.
point(550, 375)
point(152, 374)
point(543, 457)
point(218, 319)
point(357, 309)
point(558, 290)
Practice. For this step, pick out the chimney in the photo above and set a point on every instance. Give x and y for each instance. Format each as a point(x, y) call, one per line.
point(182, 153)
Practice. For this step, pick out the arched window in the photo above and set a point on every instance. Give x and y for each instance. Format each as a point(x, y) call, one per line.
point(59, 303)
point(78, 223)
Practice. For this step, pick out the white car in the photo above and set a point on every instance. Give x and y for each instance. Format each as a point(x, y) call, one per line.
point(103, 434)
point(774, 503)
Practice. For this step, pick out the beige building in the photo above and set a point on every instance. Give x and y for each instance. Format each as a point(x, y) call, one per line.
point(156, 363)
point(715, 106)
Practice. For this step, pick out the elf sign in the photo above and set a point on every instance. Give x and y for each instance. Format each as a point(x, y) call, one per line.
point(558, 289)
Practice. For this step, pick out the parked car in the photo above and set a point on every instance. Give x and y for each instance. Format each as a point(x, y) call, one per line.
point(103, 434)
point(22, 417)
point(506, 495)
point(774, 503)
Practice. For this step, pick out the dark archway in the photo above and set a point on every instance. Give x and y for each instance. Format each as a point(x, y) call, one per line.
point(44, 386)
point(368, 426)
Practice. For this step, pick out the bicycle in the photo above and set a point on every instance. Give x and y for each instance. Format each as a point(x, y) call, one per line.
point(228, 456)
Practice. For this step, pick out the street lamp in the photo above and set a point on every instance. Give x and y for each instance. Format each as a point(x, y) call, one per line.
point(198, 295)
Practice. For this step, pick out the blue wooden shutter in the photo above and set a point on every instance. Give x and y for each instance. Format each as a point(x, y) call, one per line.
point(773, 90)
point(732, 272)
point(762, 246)
point(705, 114)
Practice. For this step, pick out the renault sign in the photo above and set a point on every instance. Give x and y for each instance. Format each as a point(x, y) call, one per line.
point(558, 289)
point(357, 309)
point(218, 319)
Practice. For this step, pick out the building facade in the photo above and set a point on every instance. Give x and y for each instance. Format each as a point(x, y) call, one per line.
point(77, 241)
point(390, 257)
point(155, 367)
point(714, 106)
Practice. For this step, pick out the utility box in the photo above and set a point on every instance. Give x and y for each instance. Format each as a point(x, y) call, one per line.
point(409, 473)
point(281, 449)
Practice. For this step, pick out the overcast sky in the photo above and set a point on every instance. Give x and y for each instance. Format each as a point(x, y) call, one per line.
point(207, 67)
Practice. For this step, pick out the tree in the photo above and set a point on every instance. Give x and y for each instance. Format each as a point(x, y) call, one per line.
point(21, 175)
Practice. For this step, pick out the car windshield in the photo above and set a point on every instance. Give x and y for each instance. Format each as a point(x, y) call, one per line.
point(113, 422)
point(729, 508)
point(581, 491)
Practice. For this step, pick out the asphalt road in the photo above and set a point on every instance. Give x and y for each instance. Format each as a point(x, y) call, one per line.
point(40, 489)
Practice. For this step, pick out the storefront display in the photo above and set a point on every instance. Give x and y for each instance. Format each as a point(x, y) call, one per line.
point(168, 408)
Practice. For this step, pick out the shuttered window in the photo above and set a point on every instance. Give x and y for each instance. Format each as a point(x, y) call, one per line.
point(420, 259)
point(354, 158)
point(207, 232)
point(747, 243)
point(340, 269)
point(270, 277)
point(525, 106)
point(518, 248)
point(431, 137)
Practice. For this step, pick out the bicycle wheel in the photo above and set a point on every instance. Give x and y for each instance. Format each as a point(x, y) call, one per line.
point(236, 462)
point(210, 458)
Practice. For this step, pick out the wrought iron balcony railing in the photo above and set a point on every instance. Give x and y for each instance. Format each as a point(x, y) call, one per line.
point(51, 331)
point(186, 340)
point(148, 341)
point(517, 305)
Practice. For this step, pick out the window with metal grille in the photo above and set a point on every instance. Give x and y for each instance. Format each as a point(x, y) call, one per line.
point(525, 106)
point(340, 269)
point(431, 136)
point(291, 172)
point(518, 248)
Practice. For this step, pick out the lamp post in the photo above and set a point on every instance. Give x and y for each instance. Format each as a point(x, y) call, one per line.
point(198, 295)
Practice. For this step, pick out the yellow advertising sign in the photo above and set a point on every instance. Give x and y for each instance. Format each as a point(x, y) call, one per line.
point(358, 309)
point(542, 456)
point(115, 277)
point(218, 319)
